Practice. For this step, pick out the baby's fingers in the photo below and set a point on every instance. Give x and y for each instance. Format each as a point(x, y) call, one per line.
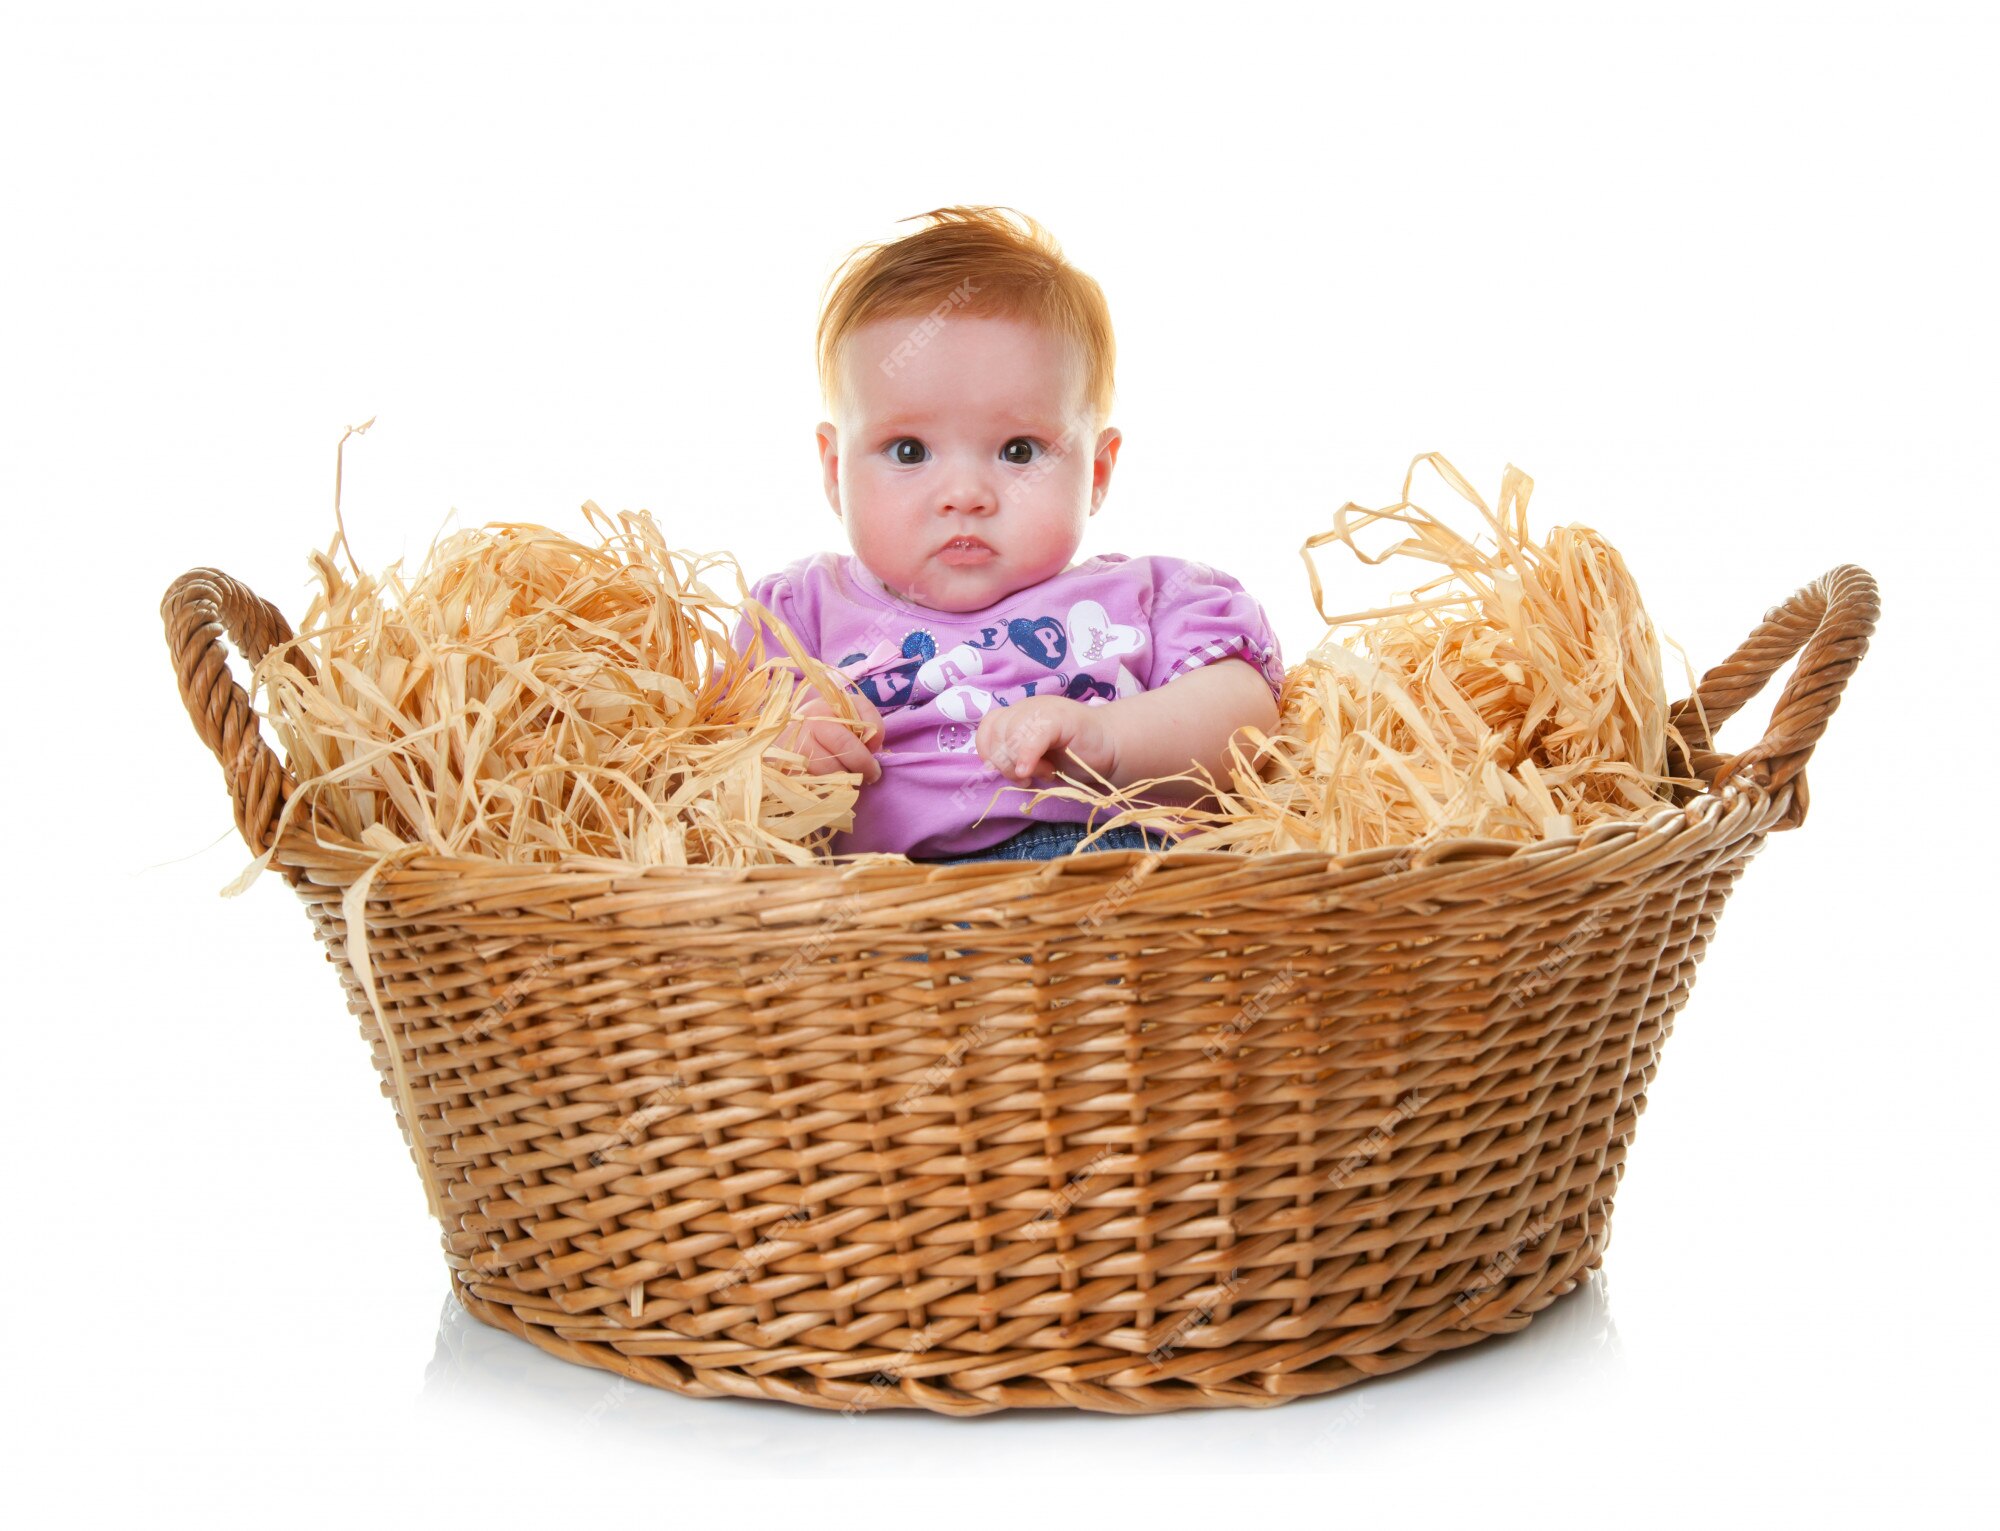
point(849, 753)
point(1023, 748)
point(871, 715)
point(816, 704)
point(811, 704)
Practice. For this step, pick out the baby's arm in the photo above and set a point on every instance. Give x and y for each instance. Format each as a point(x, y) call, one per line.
point(816, 731)
point(1163, 732)
point(1197, 691)
point(1185, 723)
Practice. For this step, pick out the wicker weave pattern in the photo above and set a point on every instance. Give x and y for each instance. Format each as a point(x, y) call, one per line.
point(1156, 1131)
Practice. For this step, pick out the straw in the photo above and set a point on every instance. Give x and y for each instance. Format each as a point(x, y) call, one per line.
point(530, 697)
point(1519, 696)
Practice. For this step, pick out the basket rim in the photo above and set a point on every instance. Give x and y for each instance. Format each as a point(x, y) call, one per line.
point(1464, 859)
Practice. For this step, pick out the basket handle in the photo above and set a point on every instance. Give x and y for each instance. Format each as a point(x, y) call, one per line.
point(198, 608)
point(1827, 624)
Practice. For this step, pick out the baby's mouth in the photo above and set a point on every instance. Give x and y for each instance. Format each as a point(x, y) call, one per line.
point(965, 550)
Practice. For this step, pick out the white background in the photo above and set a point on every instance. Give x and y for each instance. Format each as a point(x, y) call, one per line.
point(1720, 279)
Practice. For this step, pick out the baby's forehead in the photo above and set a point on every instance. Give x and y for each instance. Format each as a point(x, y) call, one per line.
point(1029, 412)
point(964, 369)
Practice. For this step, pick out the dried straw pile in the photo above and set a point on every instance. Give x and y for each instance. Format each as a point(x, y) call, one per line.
point(1518, 695)
point(529, 697)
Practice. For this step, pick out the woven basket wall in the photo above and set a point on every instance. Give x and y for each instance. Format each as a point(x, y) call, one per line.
point(1139, 1132)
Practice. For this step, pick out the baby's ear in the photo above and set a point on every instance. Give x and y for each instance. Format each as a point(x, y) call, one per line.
point(828, 439)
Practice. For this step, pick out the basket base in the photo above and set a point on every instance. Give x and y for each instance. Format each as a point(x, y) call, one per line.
point(1284, 1381)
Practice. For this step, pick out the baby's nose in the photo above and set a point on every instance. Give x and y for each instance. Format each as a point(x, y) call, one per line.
point(972, 491)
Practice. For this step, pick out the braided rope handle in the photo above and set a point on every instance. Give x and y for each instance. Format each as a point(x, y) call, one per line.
point(198, 608)
point(1827, 624)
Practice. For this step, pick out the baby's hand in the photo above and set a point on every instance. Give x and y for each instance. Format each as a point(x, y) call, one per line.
point(1040, 735)
point(828, 743)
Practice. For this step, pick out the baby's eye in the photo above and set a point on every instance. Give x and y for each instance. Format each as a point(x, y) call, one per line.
point(1029, 446)
point(897, 454)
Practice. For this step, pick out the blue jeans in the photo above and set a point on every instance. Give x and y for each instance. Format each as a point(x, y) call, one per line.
point(1044, 842)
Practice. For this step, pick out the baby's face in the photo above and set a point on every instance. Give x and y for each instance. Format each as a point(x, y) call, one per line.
point(972, 427)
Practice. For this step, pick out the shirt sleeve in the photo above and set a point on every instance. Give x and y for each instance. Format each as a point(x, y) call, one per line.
point(779, 594)
point(1201, 615)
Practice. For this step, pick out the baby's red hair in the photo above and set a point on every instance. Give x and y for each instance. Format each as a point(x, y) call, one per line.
point(971, 260)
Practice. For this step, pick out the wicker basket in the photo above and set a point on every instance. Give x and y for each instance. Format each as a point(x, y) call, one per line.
point(1146, 1132)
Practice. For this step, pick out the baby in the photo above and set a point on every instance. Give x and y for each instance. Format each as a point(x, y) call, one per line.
point(967, 371)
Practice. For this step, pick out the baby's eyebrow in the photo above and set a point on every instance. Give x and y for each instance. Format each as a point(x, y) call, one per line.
point(1046, 424)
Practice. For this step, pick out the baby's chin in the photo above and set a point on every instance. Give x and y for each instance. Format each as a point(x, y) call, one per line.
point(969, 587)
point(956, 589)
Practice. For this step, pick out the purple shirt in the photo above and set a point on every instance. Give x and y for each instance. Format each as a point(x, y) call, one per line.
point(1109, 627)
